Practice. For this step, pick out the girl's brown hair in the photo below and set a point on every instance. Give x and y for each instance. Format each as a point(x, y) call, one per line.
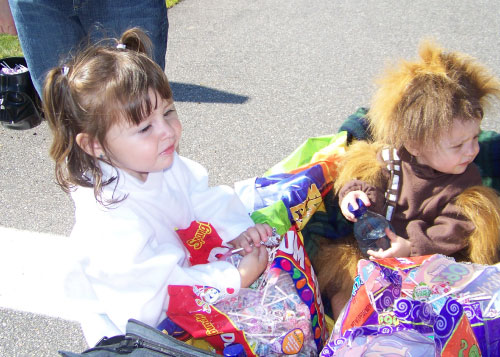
point(416, 101)
point(99, 86)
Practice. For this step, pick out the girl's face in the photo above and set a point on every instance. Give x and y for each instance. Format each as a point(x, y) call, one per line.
point(149, 146)
point(456, 149)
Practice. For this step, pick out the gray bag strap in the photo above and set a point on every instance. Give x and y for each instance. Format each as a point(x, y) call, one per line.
point(151, 337)
point(141, 340)
point(393, 164)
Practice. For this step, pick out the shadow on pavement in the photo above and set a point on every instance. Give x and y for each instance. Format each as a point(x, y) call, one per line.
point(184, 92)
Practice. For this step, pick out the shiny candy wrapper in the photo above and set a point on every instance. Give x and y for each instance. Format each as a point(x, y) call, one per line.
point(452, 307)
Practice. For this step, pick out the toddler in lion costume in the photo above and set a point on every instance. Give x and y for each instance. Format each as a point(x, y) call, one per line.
point(418, 171)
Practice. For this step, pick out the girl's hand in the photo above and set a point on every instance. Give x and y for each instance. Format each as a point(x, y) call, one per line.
point(252, 237)
point(350, 198)
point(253, 265)
point(400, 247)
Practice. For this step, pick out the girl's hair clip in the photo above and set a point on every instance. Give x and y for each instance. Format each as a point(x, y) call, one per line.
point(65, 70)
point(121, 46)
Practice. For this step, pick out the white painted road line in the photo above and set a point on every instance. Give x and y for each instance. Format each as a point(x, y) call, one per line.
point(32, 271)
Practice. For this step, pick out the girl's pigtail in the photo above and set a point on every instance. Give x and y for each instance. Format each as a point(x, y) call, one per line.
point(136, 39)
point(54, 97)
point(58, 108)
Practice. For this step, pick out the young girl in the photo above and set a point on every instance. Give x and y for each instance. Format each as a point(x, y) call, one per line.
point(116, 132)
point(419, 172)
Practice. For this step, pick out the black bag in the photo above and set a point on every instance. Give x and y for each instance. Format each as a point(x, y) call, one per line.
point(19, 101)
point(141, 340)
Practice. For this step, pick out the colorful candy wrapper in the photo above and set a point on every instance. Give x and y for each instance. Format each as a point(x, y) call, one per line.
point(452, 306)
point(203, 243)
point(381, 341)
point(300, 181)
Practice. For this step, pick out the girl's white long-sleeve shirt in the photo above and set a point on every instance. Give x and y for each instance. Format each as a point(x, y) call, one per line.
point(129, 253)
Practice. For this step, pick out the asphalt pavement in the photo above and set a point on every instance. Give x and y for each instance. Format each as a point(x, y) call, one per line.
point(252, 80)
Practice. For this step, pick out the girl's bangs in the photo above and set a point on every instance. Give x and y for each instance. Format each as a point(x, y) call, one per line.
point(133, 100)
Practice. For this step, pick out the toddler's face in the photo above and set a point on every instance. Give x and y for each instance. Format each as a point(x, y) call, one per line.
point(149, 146)
point(455, 150)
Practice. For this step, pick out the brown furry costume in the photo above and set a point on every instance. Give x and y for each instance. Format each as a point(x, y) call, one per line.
point(416, 101)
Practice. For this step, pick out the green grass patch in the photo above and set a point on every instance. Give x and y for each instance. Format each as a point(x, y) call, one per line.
point(171, 3)
point(9, 46)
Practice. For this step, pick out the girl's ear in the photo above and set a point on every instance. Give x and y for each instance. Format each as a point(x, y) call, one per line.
point(89, 145)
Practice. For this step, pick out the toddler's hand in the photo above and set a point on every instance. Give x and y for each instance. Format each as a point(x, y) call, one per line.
point(400, 247)
point(253, 236)
point(350, 198)
point(253, 265)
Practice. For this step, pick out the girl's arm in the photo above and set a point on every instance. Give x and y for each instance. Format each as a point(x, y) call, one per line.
point(252, 266)
point(253, 236)
point(128, 269)
point(218, 205)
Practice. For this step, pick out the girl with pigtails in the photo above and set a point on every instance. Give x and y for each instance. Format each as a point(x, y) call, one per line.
point(115, 134)
point(425, 120)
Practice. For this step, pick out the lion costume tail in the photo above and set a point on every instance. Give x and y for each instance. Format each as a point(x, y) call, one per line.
point(481, 205)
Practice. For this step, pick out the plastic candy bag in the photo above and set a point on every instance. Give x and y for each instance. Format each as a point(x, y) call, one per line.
point(275, 320)
point(454, 305)
point(287, 295)
point(299, 182)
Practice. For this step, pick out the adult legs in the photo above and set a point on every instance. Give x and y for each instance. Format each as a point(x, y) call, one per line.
point(48, 30)
point(110, 18)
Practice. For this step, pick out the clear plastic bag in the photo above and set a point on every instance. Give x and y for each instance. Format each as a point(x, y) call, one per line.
point(275, 320)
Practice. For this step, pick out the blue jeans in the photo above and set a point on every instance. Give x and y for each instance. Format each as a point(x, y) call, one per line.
point(49, 30)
